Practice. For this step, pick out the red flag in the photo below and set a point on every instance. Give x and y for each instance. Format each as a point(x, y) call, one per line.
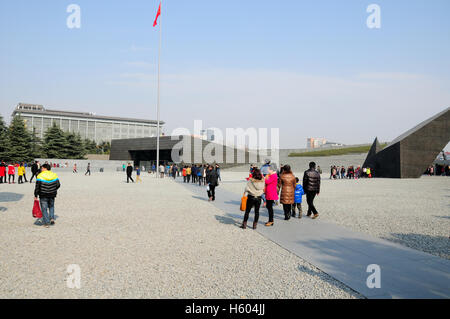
point(157, 15)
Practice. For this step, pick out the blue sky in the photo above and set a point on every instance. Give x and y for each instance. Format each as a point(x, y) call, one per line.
point(311, 68)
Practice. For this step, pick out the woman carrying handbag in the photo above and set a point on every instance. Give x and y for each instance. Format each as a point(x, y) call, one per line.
point(254, 190)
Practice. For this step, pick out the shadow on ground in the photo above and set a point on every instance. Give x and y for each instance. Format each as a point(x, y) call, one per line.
point(38, 222)
point(344, 261)
point(320, 275)
point(435, 245)
point(237, 218)
point(10, 197)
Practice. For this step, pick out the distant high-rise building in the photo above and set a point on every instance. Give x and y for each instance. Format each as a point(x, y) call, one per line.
point(313, 142)
point(88, 125)
point(208, 135)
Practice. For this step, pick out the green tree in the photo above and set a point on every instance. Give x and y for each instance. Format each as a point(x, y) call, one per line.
point(19, 141)
point(4, 142)
point(36, 145)
point(75, 148)
point(105, 147)
point(55, 143)
point(81, 150)
point(90, 146)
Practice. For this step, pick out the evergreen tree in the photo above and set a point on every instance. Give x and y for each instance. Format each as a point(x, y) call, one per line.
point(3, 139)
point(80, 146)
point(90, 146)
point(75, 148)
point(36, 145)
point(19, 141)
point(55, 143)
point(70, 149)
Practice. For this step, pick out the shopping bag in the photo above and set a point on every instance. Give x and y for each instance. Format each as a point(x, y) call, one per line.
point(37, 213)
point(243, 203)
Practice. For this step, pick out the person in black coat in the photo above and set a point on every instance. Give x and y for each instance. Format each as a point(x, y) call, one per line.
point(129, 173)
point(311, 185)
point(211, 180)
point(35, 170)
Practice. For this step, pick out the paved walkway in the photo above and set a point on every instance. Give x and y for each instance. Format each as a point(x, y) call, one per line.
point(345, 254)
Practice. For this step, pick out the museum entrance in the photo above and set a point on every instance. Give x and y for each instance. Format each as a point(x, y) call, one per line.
point(148, 157)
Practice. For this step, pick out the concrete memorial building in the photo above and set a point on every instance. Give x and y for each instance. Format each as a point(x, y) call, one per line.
point(88, 125)
point(180, 149)
point(409, 155)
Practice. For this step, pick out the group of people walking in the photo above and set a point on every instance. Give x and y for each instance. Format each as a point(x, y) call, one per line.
point(438, 170)
point(8, 172)
point(198, 173)
point(339, 172)
point(190, 173)
point(267, 185)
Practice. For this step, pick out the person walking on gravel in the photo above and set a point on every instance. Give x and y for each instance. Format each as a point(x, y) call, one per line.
point(3, 172)
point(161, 170)
point(88, 170)
point(174, 171)
point(138, 175)
point(271, 192)
point(311, 185)
point(287, 185)
point(218, 172)
point(34, 170)
point(188, 174)
point(47, 185)
point(129, 173)
point(299, 192)
point(11, 173)
point(211, 180)
point(21, 174)
point(254, 190)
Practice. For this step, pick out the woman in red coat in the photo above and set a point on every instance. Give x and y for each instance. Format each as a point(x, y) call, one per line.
point(11, 172)
point(2, 173)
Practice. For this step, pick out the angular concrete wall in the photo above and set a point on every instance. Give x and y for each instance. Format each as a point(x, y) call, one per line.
point(409, 155)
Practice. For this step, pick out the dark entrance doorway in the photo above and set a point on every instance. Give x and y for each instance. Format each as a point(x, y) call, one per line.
point(149, 156)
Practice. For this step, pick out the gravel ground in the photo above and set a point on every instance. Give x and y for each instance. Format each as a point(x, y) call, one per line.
point(149, 240)
point(411, 212)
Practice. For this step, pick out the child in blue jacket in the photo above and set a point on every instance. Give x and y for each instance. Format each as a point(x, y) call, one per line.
point(299, 192)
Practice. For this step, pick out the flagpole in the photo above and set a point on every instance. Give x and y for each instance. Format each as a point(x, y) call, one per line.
point(159, 96)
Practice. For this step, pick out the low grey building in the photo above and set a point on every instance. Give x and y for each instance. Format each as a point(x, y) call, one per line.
point(88, 125)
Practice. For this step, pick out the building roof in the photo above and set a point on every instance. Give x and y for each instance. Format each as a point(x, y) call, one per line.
point(40, 110)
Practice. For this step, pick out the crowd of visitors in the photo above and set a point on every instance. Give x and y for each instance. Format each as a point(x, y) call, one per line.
point(438, 170)
point(8, 172)
point(340, 172)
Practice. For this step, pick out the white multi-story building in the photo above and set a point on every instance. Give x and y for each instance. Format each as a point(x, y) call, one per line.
point(88, 125)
